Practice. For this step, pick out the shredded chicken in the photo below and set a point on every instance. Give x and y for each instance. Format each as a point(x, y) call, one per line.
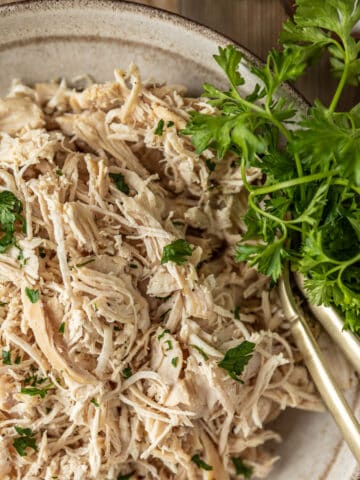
point(128, 348)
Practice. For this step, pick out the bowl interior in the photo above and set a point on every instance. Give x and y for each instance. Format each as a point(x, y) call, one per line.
point(48, 39)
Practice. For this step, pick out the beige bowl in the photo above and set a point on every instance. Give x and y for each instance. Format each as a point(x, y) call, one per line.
point(47, 39)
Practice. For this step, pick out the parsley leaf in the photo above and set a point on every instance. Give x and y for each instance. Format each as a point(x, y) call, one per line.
point(10, 209)
point(33, 295)
point(127, 372)
point(159, 130)
point(33, 391)
point(94, 402)
point(236, 359)
point(177, 252)
point(25, 441)
point(62, 328)
point(201, 351)
point(119, 180)
point(174, 361)
point(6, 357)
point(200, 463)
point(241, 468)
point(125, 476)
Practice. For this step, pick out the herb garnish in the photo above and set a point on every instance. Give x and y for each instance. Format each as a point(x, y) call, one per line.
point(170, 124)
point(237, 313)
point(62, 328)
point(236, 359)
point(169, 345)
point(177, 252)
point(10, 209)
point(201, 351)
point(127, 372)
point(174, 361)
point(86, 262)
point(33, 295)
point(308, 210)
point(241, 468)
point(126, 476)
point(25, 441)
point(94, 402)
point(164, 332)
point(33, 391)
point(6, 357)
point(159, 130)
point(200, 463)
point(119, 180)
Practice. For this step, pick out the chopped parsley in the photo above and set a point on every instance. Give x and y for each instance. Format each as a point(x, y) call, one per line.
point(237, 313)
point(82, 264)
point(200, 463)
point(119, 180)
point(174, 361)
point(2, 304)
point(25, 441)
point(126, 373)
point(169, 345)
point(159, 130)
point(241, 468)
point(163, 315)
point(94, 402)
point(10, 209)
point(125, 476)
point(210, 165)
point(236, 359)
point(33, 295)
point(133, 265)
point(201, 351)
point(33, 391)
point(177, 252)
point(170, 124)
point(17, 360)
point(162, 335)
point(6, 357)
point(62, 328)
point(59, 172)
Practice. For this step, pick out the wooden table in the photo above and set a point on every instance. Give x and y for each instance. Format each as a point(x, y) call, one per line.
point(256, 25)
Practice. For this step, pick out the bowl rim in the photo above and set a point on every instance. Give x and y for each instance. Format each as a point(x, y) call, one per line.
point(12, 7)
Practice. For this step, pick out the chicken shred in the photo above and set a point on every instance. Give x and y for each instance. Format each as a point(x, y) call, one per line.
point(128, 348)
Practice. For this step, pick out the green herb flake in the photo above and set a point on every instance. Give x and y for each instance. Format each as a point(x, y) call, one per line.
point(241, 468)
point(86, 262)
point(210, 165)
point(159, 130)
point(25, 441)
point(174, 361)
point(10, 209)
point(62, 328)
point(33, 391)
point(33, 295)
point(163, 333)
point(125, 476)
point(201, 351)
point(169, 345)
point(24, 431)
point(126, 373)
point(177, 252)
point(6, 357)
point(170, 124)
point(59, 172)
point(200, 463)
point(236, 359)
point(237, 313)
point(94, 402)
point(17, 360)
point(119, 180)
point(133, 265)
point(3, 304)
point(163, 315)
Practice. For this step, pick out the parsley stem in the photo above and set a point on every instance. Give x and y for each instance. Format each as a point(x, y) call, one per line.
point(284, 223)
point(293, 183)
point(342, 82)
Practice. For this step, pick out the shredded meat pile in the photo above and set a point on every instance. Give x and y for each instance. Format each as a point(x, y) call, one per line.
point(126, 349)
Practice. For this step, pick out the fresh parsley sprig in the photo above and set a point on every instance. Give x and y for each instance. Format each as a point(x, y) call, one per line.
point(308, 209)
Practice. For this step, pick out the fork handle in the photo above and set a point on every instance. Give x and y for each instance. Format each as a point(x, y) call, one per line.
point(326, 385)
point(333, 323)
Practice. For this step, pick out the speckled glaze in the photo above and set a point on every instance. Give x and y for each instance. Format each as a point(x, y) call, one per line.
point(46, 39)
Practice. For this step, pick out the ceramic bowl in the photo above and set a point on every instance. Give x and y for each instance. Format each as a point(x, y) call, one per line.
point(47, 39)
